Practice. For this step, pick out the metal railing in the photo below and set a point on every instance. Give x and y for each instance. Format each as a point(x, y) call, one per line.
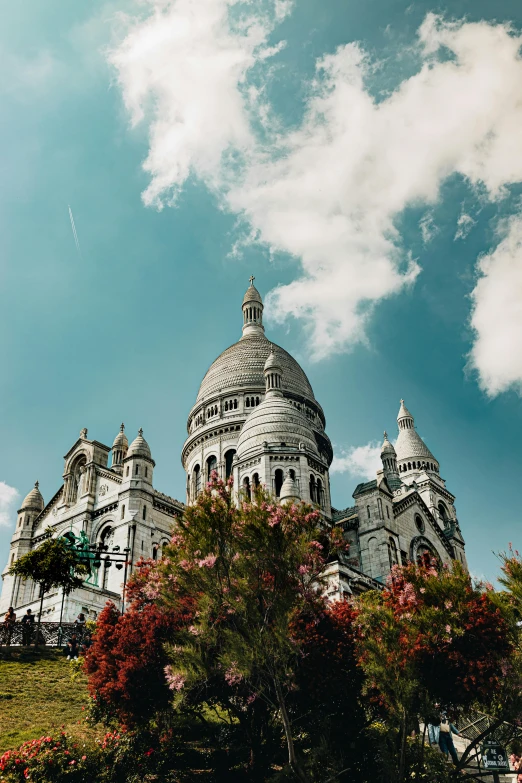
point(50, 634)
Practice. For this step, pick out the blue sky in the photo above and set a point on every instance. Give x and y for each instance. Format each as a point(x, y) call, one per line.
point(363, 160)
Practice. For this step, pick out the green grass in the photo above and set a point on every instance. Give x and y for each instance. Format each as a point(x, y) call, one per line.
point(37, 696)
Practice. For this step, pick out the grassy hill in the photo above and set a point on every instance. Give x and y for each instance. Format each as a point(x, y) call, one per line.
point(37, 696)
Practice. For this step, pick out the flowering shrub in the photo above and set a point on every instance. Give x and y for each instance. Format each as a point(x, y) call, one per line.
point(46, 760)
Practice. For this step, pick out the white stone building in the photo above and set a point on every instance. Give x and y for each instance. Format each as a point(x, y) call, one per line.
point(256, 419)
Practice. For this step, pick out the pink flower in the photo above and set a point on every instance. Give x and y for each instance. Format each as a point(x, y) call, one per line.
point(207, 562)
point(232, 676)
point(448, 629)
point(448, 604)
point(303, 569)
point(175, 680)
point(193, 630)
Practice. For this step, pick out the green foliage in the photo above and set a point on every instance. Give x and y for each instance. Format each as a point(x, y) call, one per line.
point(52, 564)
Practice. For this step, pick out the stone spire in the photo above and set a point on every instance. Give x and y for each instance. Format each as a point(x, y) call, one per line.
point(289, 492)
point(412, 452)
point(273, 375)
point(252, 311)
point(119, 448)
point(389, 462)
point(34, 499)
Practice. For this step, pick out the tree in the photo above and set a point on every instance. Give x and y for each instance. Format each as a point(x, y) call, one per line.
point(52, 564)
point(429, 636)
point(126, 662)
point(250, 571)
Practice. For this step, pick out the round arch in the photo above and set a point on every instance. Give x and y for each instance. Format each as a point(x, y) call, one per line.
point(419, 546)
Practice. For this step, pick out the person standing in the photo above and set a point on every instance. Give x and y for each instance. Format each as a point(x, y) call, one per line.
point(446, 729)
point(27, 627)
point(9, 622)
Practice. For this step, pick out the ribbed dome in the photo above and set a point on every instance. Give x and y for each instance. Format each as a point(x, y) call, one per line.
point(252, 295)
point(272, 361)
point(411, 446)
point(275, 421)
point(409, 443)
point(139, 447)
point(34, 500)
point(121, 441)
point(387, 447)
point(241, 367)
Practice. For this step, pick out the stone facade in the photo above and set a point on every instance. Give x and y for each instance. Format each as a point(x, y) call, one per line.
point(256, 420)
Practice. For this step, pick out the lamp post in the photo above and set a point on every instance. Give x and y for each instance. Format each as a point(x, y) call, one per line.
point(118, 557)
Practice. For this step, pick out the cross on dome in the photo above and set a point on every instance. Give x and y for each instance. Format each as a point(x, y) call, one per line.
point(252, 278)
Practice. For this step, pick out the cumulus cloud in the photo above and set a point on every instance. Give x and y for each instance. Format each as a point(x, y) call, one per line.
point(328, 192)
point(8, 497)
point(360, 461)
point(497, 314)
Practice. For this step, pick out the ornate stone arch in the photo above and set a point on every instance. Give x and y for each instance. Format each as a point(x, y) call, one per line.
point(105, 522)
point(420, 545)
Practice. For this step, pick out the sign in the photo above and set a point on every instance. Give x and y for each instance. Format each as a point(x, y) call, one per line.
point(494, 757)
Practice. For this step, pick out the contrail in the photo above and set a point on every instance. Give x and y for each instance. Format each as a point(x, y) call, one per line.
point(75, 235)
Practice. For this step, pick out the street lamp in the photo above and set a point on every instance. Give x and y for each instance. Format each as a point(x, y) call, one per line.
point(118, 557)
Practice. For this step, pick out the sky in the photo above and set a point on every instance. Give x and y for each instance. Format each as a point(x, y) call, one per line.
point(362, 159)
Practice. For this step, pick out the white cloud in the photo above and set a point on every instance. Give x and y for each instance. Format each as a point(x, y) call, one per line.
point(464, 225)
point(361, 461)
point(184, 67)
point(327, 193)
point(8, 496)
point(497, 314)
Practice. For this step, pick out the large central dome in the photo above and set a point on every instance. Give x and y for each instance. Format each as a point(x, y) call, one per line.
point(241, 366)
point(233, 386)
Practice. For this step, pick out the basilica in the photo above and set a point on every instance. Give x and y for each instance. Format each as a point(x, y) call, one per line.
point(256, 419)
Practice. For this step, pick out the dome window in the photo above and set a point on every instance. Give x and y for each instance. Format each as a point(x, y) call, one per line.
point(229, 458)
point(211, 466)
point(278, 482)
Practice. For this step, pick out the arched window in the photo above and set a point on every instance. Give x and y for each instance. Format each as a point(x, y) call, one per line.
point(419, 522)
point(313, 495)
point(443, 511)
point(392, 552)
point(380, 508)
point(257, 400)
point(246, 488)
point(320, 493)
point(247, 403)
point(409, 465)
point(255, 480)
point(211, 465)
point(229, 458)
point(278, 481)
point(235, 403)
point(77, 488)
point(226, 405)
point(292, 474)
point(252, 402)
point(197, 480)
point(154, 552)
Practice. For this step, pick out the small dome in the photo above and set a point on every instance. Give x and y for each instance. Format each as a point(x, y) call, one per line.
point(276, 421)
point(252, 294)
point(289, 491)
point(387, 447)
point(139, 447)
point(121, 441)
point(34, 500)
point(403, 412)
point(272, 362)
